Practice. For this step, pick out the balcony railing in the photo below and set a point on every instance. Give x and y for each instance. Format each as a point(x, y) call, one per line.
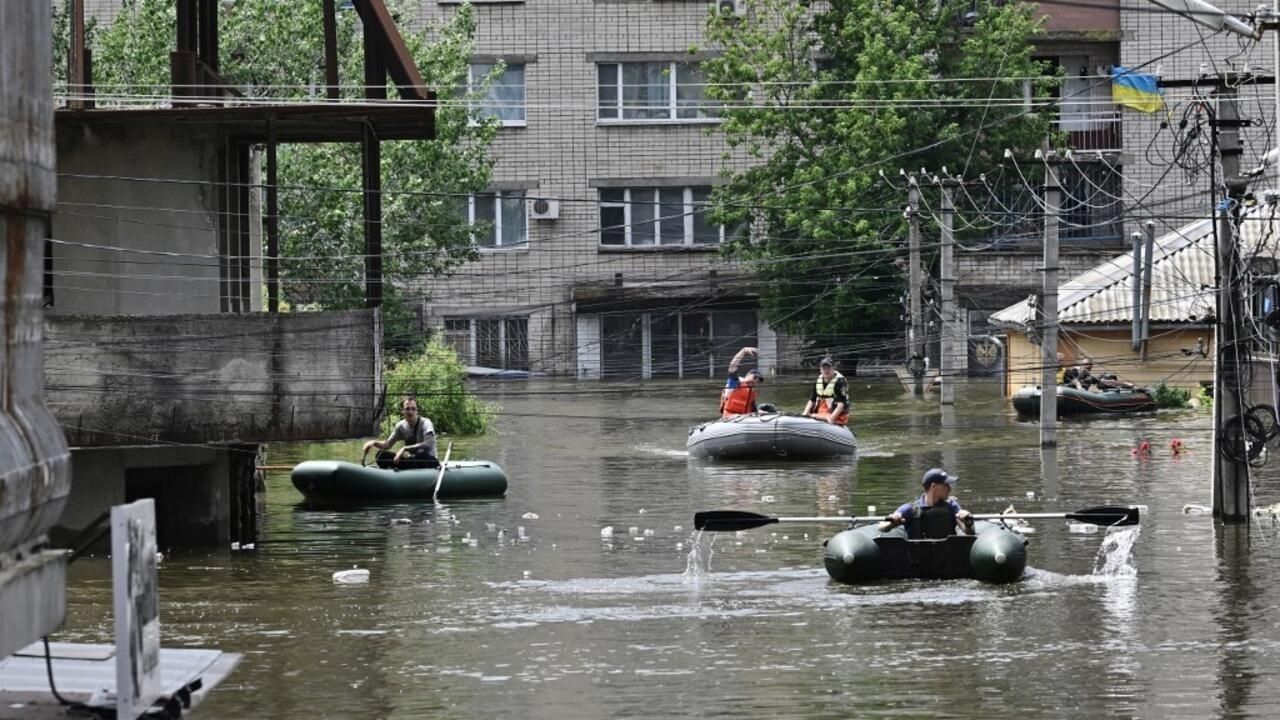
point(1098, 129)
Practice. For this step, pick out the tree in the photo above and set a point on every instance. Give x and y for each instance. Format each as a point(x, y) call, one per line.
point(822, 97)
point(276, 50)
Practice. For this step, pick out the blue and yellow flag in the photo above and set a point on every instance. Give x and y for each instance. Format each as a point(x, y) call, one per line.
point(1136, 90)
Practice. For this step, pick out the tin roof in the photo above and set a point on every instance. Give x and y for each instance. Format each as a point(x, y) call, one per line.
point(1182, 284)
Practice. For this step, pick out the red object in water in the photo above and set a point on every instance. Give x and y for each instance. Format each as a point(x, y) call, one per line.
point(1176, 446)
point(1143, 449)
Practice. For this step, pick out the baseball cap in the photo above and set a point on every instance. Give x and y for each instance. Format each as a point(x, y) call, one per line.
point(827, 361)
point(937, 475)
point(757, 373)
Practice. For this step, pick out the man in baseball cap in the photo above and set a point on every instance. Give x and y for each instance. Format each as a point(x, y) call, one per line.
point(935, 513)
point(739, 394)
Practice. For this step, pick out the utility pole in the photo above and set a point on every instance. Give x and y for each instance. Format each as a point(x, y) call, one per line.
point(915, 340)
point(1231, 493)
point(1149, 259)
point(947, 280)
point(1049, 307)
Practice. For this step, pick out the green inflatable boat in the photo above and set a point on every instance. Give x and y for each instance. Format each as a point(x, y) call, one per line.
point(864, 554)
point(336, 481)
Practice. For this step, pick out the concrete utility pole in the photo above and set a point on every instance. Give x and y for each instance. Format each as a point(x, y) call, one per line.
point(35, 467)
point(1231, 493)
point(1049, 308)
point(1149, 260)
point(915, 342)
point(947, 280)
point(1135, 301)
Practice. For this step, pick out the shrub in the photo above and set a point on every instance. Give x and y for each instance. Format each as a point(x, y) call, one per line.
point(1168, 397)
point(438, 379)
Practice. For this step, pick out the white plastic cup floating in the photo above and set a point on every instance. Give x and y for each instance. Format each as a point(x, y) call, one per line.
point(606, 531)
point(353, 576)
point(633, 530)
point(871, 509)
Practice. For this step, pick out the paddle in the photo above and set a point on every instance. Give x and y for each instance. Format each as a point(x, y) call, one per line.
point(730, 520)
point(445, 463)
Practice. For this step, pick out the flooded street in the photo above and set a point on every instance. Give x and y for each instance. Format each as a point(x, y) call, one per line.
point(531, 605)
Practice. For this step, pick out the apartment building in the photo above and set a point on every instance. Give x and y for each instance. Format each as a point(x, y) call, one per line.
point(600, 262)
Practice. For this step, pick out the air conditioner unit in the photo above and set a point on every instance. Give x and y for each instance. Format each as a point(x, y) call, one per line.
point(731, 7)
point(544, 209)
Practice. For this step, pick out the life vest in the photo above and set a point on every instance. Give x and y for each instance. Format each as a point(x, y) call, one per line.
point(738, 401)
point(826, 392)
point(932, 522)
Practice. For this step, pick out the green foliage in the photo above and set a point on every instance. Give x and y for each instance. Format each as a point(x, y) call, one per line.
point(1205, 398)
point(438, 379)
point(836, 93)
point(1169, 397)
point(276, 49)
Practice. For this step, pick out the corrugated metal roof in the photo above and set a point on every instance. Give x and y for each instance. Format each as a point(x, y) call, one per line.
point(1182, 285)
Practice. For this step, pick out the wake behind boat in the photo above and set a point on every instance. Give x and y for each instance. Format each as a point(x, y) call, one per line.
point(1074, 401)
point(770, 435)
point(337, 481)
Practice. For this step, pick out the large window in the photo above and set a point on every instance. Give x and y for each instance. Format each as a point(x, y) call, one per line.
point(657, 216)
point(652, 92)
point(490, 342)
point(503, 99)
point(502, 217)
point(678, 344)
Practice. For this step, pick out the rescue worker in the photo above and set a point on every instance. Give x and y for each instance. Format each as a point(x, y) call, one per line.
point(829, 400)
point(935, 514)
point(739, 395)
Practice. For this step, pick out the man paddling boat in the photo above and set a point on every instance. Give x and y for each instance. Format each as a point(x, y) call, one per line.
point(419, 438)
point(935, 514)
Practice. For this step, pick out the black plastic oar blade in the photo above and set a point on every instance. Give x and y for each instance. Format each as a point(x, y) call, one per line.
point(1108, 515)
point(730, 520)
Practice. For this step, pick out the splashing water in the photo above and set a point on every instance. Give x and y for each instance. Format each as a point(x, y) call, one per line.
point(698, 564)
point(1115, 555)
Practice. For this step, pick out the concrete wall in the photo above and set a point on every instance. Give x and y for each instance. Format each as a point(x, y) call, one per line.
point(136, 227)
point(214, 378)
point(1111, 352)
point(190, 486)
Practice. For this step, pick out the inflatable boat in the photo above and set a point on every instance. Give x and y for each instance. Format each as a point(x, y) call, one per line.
point(1073, 401)
point(336, 481)
point(863, 554)
point(770, 435)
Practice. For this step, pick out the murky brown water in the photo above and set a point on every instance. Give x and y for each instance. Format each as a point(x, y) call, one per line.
point(482, 610)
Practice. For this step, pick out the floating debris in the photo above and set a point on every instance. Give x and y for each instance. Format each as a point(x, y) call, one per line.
point(354, 576)
point(401, 521)
point(677, 528)
point(1190, 509)
point(1082, 528)
point(871, 509)
point(529, 516)
point(767, 498)
point(643, 511)
point(606, 531)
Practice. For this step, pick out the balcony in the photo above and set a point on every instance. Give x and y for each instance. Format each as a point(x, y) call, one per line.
point(1096, 129)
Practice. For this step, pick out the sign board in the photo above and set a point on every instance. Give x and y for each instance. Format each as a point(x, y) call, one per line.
point(135, 591)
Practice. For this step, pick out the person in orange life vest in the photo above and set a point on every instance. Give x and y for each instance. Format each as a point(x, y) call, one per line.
point(829, 400)
point(739, 395)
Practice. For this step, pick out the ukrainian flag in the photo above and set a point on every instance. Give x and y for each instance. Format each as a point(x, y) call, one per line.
point(1136, 90)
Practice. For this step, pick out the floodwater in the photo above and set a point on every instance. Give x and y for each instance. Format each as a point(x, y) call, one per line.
point(529, 607)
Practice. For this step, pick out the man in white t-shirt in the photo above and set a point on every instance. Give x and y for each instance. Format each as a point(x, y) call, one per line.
point(419, 438)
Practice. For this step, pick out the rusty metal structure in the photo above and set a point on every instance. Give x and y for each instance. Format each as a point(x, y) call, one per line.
point(35, 471)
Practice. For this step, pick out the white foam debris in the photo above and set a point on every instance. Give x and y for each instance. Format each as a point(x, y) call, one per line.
point(679, 546)
point(633, 530)
point(842, 512)
point(1190, 509)
point(606, 531)
point(235, 545)
point(527, 573)
point(677, 528)
point(648, 532)
point(643, 511)
point(401, 521)
point(529, 516)
point(353, 576)
point(767, 498)
point(871, 509)
point(491, 526)
point(832, 498)
point(1082, 528)
point(520, 533)
point(1031, 494)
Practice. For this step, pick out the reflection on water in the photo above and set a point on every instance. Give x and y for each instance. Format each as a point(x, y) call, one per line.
point(587, 586)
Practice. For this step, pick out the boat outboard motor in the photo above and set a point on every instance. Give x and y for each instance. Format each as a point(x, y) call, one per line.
point(933, 523)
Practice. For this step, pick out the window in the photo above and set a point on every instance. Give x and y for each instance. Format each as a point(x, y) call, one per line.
point(652, 91)
point(490, 342)
point(502, 215)
point(503, 99)
point(657, 216)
